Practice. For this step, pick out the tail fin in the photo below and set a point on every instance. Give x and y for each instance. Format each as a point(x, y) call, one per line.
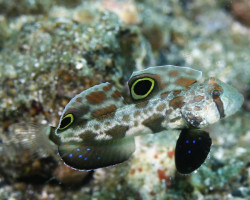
point(28, 137)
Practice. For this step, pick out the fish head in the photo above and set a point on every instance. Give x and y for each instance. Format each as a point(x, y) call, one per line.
point(208, 102)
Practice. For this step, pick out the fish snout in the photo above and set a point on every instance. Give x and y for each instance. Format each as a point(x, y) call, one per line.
point(232, 99)
point(227, 99)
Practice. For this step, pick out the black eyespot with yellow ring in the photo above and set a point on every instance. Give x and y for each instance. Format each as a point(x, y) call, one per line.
point(66, 121)
point(142, 87)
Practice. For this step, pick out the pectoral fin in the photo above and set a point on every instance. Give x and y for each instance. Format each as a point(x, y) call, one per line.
point(191, 150)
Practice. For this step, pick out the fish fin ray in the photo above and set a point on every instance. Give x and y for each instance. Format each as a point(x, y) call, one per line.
point(29, 137)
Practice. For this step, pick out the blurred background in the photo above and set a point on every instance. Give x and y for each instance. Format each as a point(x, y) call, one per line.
point(52, 50)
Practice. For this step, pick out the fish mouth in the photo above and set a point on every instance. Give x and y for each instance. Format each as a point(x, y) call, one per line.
point(232, 100)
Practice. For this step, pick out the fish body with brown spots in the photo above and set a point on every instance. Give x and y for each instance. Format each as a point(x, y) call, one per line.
point(97, 127)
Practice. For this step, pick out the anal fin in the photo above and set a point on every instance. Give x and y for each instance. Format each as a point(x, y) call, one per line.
point(96, 154)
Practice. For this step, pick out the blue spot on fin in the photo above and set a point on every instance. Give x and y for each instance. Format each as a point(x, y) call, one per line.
point(190, 156)
point(102, 154)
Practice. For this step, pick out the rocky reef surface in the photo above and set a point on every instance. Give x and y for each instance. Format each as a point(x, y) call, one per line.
point(53, 50)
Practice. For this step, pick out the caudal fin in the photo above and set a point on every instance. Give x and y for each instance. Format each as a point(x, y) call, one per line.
point(28, 137)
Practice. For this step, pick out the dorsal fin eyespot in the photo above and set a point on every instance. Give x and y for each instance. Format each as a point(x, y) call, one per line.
point(143, 86)
point(98, 102)
point(66, 121)
point(168, 78)
point(132, 79)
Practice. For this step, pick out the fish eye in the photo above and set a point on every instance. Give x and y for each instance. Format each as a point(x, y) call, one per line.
point(66, 122)
point(216, 92)
point(142, 87)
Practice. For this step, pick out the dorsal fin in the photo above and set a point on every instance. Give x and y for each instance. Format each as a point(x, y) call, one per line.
point(95, 102)
point(167, 78)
